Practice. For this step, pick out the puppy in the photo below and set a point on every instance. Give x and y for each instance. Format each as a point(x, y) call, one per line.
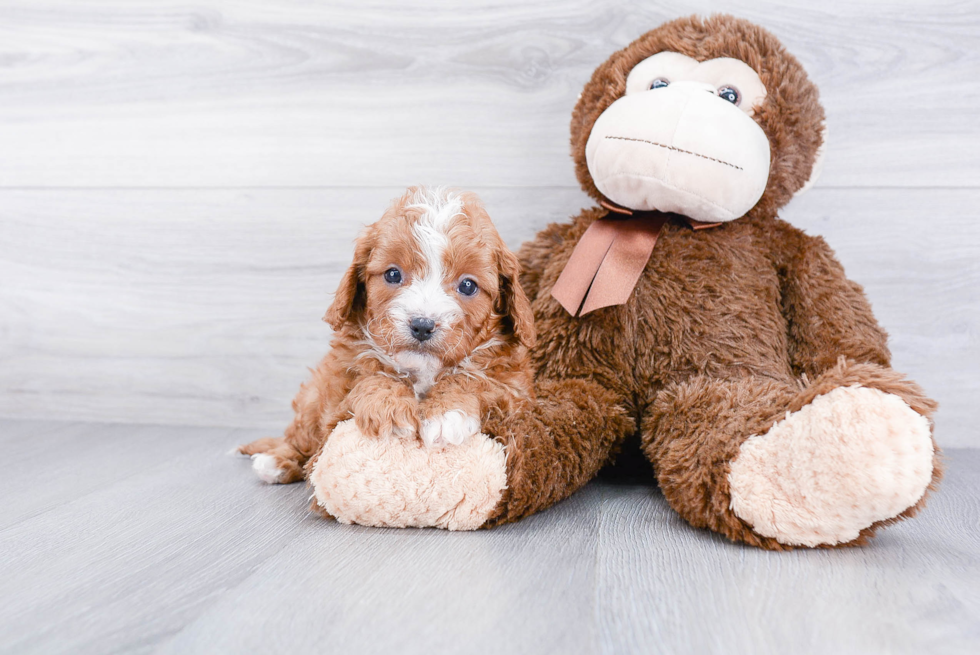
point(431, 332)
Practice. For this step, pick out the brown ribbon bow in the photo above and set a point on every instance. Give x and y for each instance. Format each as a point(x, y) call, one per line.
point(609, 258)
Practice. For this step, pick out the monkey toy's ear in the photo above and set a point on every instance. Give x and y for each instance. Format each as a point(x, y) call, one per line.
point(817, 163)
point(351, 296)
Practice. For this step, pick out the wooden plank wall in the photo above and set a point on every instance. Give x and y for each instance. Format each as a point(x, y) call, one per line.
point(180, 183)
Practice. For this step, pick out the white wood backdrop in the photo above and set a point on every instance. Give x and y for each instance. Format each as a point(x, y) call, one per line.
point(180, 183)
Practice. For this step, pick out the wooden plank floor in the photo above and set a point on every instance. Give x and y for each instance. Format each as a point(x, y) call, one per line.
point(121, 538)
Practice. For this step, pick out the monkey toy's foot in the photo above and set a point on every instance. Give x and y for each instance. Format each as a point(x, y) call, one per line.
point(397, 482)
point(537, 456)
point(848, 460)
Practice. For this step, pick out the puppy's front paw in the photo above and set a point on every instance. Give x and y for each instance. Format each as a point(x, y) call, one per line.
point(387, 417)
point(453, 427)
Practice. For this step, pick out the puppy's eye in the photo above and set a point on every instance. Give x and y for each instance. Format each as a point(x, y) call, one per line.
point(659, 83)
point(393, 276)
point(729, 93)
point(467, 287)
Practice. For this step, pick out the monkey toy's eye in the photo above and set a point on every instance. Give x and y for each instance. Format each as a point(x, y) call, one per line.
point(729, 93)
point(467, 287)
point(658, 83)
point(393, 276)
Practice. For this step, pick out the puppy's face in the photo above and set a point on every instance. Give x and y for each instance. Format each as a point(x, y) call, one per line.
point(432, 281)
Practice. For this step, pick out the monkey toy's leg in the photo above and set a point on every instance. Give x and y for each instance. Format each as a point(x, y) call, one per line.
point(557, 446)
point(778, 465)
point(524, 461)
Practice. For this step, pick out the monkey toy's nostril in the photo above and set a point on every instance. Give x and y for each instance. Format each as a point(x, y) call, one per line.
point(422, 328)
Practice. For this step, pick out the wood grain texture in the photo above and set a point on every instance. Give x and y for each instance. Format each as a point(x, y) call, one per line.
point(386, 92)
point(96, 456)
point(203, 307)
point(137, 547)
point(667, 587)
point(180, 184)
point(187, 552)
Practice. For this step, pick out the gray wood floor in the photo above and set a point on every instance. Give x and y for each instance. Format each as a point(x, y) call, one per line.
point(119, 538)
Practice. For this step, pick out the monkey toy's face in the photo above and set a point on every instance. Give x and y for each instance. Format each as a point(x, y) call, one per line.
point(682, 139)
point(709, 118)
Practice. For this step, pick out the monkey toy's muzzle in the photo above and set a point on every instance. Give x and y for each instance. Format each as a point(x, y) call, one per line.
point(679, 149)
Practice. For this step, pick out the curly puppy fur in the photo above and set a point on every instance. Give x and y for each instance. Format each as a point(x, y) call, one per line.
point(475, 362)
point(728, 329)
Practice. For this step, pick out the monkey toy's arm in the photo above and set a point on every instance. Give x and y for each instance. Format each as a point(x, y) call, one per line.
point(828, 316)
point(834, 339)
point(557, 445)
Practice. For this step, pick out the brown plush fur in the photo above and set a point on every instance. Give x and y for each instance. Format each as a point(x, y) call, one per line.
point(727, 330)
point(556, 446)
point(484, 357)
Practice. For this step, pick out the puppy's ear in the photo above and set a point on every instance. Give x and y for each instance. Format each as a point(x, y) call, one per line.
point(512, 302)
point(351, 296)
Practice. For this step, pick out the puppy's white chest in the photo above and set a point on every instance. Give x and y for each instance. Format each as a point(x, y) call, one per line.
point(421, 368)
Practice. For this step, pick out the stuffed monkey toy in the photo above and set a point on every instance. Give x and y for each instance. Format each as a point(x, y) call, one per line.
point(683, 309)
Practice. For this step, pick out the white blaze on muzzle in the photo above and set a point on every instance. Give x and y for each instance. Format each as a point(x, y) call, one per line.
point(679, 149)
point(426, 296)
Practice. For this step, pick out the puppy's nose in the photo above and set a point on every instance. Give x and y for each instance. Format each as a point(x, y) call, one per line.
point(422, 328)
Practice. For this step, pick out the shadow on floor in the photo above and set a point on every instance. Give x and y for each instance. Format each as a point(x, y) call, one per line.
point(631, 466)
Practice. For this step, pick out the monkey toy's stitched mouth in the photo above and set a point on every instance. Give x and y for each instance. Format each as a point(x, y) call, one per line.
point(685, 152)
point(674, 149)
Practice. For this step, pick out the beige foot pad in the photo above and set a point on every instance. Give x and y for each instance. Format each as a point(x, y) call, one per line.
point(397, 482)
point(849, 459)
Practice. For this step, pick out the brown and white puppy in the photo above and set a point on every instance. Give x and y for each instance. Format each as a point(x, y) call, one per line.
point(431, 332)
